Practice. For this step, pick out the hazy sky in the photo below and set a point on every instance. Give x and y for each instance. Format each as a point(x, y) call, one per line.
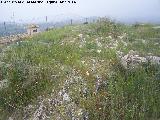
point(120, 9)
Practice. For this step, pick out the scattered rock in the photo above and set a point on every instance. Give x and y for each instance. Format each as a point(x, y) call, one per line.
point(40, 113)
point(132, 59)
point(3, 84)
point(153, 59)
point(66, 97)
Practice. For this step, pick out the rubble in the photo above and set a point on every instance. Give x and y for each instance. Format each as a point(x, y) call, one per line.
point(153, 59)
point(132, 59)
point(59, 106)
point(12, 38)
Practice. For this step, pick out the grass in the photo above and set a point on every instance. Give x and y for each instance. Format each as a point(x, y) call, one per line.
point(30, 67)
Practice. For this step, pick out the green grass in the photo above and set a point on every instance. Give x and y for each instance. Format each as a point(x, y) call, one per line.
point(29, 66)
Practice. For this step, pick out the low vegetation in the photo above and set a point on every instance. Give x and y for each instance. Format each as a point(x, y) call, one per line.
point(76, 72)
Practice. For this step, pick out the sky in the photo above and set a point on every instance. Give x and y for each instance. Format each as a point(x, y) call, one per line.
point(135, 10)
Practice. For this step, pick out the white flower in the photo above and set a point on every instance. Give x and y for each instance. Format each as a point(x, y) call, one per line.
point(99, 44)
point(80, 46)
point(80, 35)
point(83, 62)
point(98, 51)
point(79, 112)
point(110, 37)
point(87, 73)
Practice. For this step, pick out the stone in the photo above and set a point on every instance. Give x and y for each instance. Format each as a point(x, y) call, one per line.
point(153, 59)
point(66, 97)
point(132, 59)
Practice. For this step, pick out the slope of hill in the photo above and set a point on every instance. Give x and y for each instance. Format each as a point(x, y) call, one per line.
point(99, 71)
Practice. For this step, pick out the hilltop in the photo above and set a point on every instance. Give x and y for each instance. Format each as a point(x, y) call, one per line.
point(96, 71)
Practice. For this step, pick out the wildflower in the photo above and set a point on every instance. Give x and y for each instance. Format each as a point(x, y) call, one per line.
point(87, 73)
point(110, 37)
point(83, 62)
point(98, 51)
point(80, 46)
point(80, 35)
